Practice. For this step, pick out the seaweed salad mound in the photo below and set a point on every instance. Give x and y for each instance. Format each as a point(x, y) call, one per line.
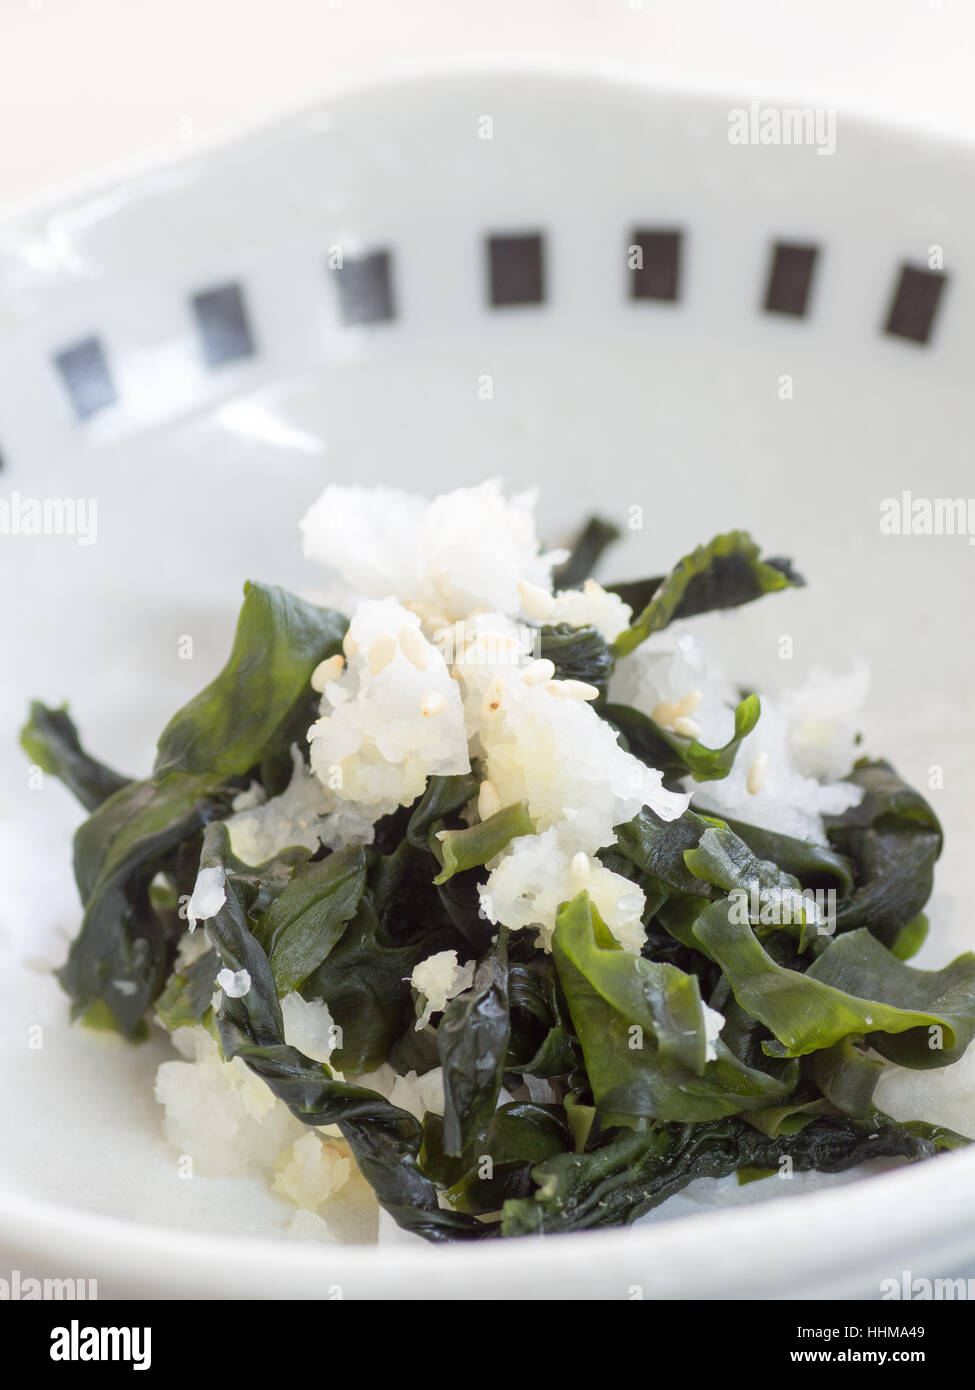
point(476, 891)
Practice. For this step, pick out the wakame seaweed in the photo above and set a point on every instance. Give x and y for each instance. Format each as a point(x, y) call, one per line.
point(583, 1083)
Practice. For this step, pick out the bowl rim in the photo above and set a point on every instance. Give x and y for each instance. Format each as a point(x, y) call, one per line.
point(418, 72)
point(703, 1248)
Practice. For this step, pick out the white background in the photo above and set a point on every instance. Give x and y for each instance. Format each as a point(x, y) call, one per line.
point(86, 85)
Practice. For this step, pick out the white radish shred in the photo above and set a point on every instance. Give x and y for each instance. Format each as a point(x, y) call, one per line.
point(298, 816)
point(419, 1095)
point(822, 717)
point(247, 800)
point(208, 896)
point(465, 550)
point(234, 983)
point(592, 606)
point(311, 1171)
point(396, 724)
point(308, 1026)
point(534, 876)
point(764, 787)
point(788, 772)
point(438, 979)
point(713, 1023)
point(558, 755)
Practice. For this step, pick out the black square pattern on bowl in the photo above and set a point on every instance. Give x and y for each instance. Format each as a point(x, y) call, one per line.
point(655, 269)
point(516, 270)
point(915, 303)
point(516, 275)
point(221, 318)
point(790, 278)
point(365, 287)
point(84, 370)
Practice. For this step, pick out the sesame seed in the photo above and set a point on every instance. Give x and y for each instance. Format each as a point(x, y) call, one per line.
point(581, 690)
point(687, 728)
point(491, 703)
point(413, 647)
point(463, 635)
point(580, 865)
point(755, 780)
point(426, 612)
point(434, 703)
point(488, 800)
point(350, 646)
point(665, 713)
point(540, 671)
point(536, 601)
point(325, 671)
point(690, 702)
point(381, 652)
point(572, 690)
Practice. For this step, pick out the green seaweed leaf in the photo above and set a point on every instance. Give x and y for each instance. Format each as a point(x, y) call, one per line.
point(442, 799)
point(893, 839)
point(50, 740)
point(577, 653)
point(121, 956)
point(365, 978)
point(587, 550)
point(239, 718)
point(919, 1018)
point(469, 849)
point(643, 1031)
point(307, 920)
point(472, 1041)
point(726, 572)
point(675, 755)
point(631, 1173)
point(384, 1139)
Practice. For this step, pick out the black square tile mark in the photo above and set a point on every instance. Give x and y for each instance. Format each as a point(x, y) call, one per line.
point(915, 303)
point(366, 288)
point(83, 369)
point(790, 278)
point(515, 270)
point(221, 317)
point(657, 276)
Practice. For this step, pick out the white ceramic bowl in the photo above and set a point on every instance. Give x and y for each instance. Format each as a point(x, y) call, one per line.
point(175, 346)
